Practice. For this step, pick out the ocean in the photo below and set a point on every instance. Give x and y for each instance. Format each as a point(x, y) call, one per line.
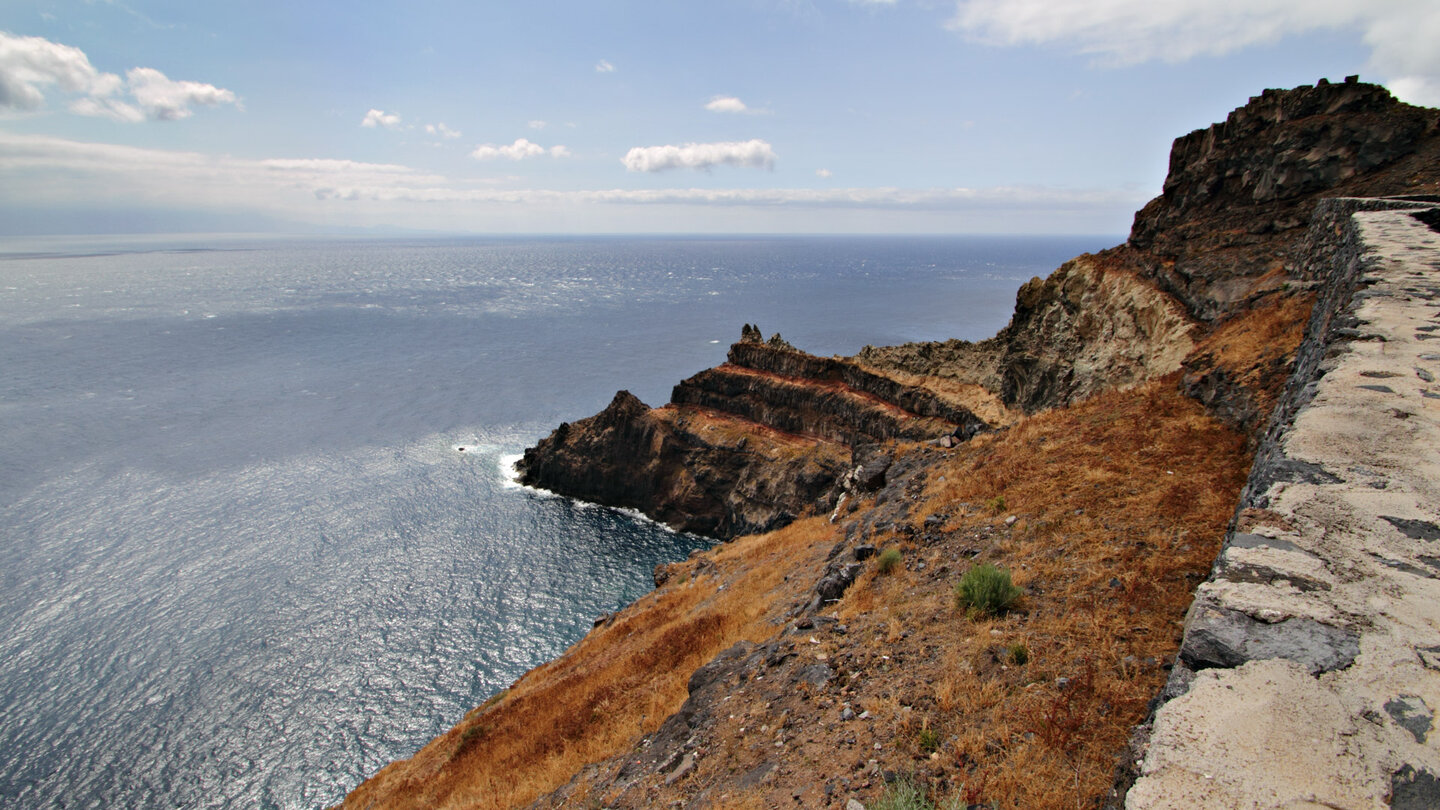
point(258, 533)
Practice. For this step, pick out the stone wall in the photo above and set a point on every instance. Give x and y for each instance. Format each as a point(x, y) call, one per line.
point(1309, 672)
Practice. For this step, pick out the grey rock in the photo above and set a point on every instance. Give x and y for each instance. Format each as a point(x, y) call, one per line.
point(854, 805)
point(1264, 574)
point(871, 475)
point(836, 579)
point(1430, 657)
point(1261, 541)
point(1300, 472)
point(755, 775)
point(817, 675)
point(719, 667)
point(1414, 529)
point(864, 552)
point(1411, 714)
point(686, 765)
point(1414, 790)
point(1219, 637)
point(1401, 565)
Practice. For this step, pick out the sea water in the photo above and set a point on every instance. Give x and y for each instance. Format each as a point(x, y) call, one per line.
point(258, 534)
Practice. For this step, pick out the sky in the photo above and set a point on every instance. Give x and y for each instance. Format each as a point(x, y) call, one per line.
point(635, 116)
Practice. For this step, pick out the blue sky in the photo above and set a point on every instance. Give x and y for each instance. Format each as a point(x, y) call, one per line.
point(990, 116)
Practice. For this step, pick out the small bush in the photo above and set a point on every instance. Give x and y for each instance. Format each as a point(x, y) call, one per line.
point(996, 504)
point(902, 794)
point(986, 590)
point(888, 559)
point(929, 740)
point(905, 794)
point(1019, 655)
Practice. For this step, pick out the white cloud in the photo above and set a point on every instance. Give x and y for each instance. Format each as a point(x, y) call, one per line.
point(105, 107)
point(56, 173)
point(380, 118)
point(823, 174)
point(604, 66)
point(538, 124)
point(727, 104)
point(519, 150)
point(29, 66)
point(165, 99)
point(755, 153)
point(102, 171)
point(441, 130)
point(1400, 33)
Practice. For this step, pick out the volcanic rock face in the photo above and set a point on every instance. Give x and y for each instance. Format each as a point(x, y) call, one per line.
point(1223, 237)
point(1240, 189)
point(694, 472)
point(744, 447)
point(1092, 325)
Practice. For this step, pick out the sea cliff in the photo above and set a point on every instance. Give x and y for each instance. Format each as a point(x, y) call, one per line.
point(1099, 449)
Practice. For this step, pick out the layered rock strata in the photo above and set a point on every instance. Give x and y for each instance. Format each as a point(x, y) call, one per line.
point(1318, 623)
point(744, 447)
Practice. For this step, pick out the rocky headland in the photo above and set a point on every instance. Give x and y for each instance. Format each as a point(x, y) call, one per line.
point(1153, 420)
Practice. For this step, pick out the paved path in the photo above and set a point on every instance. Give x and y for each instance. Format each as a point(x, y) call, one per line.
point(1316, 642)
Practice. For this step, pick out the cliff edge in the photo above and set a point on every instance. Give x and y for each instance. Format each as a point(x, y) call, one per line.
point(1098, 450)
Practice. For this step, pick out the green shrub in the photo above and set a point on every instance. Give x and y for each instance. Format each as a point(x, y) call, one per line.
point(888, 559)
point(902, 794)
point(905, 794)
point(929, 740)
point(996, 504)
point(1019, 655)
point(986, 590)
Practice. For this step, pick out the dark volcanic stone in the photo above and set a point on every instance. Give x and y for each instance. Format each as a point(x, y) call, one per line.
point(1411, 714)
point(872, 473)
point(1414, 529)
point(1220, 637)
point(1236, 189)
point(836, 579)
point(1414, 790)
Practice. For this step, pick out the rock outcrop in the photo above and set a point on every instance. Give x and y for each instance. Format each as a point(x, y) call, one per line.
point(1241, 192)
point(694, 471)
point(1094, 324)
point(744, 447)
point(1225, 235)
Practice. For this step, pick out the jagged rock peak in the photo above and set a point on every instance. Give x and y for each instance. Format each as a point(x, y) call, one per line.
point(1281, 145)
point(750, 333)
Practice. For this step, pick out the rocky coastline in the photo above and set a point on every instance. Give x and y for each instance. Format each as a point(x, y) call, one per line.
point(1117, 443)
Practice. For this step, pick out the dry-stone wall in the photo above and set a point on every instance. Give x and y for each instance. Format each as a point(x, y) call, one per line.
point(1309, 675)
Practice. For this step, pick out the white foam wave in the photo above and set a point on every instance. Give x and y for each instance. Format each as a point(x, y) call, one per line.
point(509, 472)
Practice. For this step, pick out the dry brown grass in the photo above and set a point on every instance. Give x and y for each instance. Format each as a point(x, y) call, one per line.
point(1124, 499)
point(1121, 502)
point(619, 682)
point(1255, 347)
